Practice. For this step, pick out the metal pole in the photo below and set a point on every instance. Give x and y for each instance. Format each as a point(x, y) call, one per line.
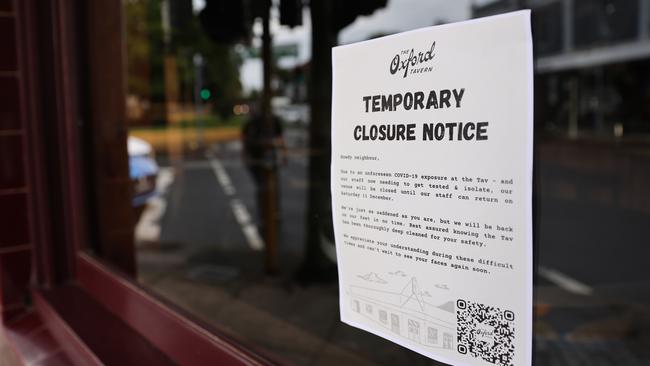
point(567, 25)
point(573, 107)
point(198, 85)
point(644, 19)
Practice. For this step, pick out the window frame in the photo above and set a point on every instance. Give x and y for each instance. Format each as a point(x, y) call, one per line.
point(68, 48)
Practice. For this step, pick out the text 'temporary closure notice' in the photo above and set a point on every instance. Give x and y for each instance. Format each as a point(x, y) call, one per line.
point(432, 138)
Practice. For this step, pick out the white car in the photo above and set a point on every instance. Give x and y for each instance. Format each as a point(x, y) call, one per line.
point(143, 170)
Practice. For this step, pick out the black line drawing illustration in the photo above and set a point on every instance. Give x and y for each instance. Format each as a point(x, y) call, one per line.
point(402, 307)
point(372, 277)
point(397, 273)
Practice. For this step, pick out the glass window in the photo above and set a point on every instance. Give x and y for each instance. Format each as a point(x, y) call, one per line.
point(229, 174)
point(602, 22)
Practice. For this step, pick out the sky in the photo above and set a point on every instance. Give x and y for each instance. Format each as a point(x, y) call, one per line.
point(403, 15)
point(397, 16)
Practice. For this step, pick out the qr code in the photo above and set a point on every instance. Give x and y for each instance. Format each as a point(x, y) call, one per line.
point(485, 332)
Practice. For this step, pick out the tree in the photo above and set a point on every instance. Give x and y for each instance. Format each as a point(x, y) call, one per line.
point(328, 19)
point(147, 47)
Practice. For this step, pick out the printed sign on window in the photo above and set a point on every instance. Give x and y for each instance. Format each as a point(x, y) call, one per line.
point(432, 140)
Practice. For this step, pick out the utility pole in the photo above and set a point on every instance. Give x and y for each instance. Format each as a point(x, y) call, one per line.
point(269, 195)
point(197, 59)
point(328, 17)
point(316, 266)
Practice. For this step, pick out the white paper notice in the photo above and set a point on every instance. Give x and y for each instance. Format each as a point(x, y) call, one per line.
point(432, 139)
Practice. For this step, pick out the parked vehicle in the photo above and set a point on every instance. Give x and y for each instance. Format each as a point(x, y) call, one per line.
point(143, 170)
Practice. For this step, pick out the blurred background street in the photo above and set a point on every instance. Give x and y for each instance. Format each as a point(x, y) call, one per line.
point(165, 180)
point(207, 261)
point(238, 231)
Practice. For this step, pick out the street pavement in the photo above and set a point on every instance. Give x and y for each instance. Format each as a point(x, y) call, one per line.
point(202, 252)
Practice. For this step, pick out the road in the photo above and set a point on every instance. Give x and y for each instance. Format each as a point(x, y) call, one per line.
point(593, 281)
point(210, 208)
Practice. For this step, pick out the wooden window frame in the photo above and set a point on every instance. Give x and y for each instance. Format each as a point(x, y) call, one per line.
point(74, 74)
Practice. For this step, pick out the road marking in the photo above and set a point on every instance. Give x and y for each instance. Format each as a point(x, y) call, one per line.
point(247, 225)
point(148, 228)
point(565, 282)
point(253, 237)
point(222, 177)
point(239, 210)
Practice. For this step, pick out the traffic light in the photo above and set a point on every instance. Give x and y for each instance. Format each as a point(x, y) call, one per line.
point(205, 94)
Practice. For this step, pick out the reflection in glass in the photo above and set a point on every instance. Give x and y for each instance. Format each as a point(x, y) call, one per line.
point(218, 163)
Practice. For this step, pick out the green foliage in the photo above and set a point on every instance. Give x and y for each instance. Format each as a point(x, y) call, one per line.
point(137, 47)
point(146, 51)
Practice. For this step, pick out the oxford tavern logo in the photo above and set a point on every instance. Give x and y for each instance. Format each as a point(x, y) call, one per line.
point(409, 61)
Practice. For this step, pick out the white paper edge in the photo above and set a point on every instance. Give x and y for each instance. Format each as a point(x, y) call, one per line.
point(529, 194)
